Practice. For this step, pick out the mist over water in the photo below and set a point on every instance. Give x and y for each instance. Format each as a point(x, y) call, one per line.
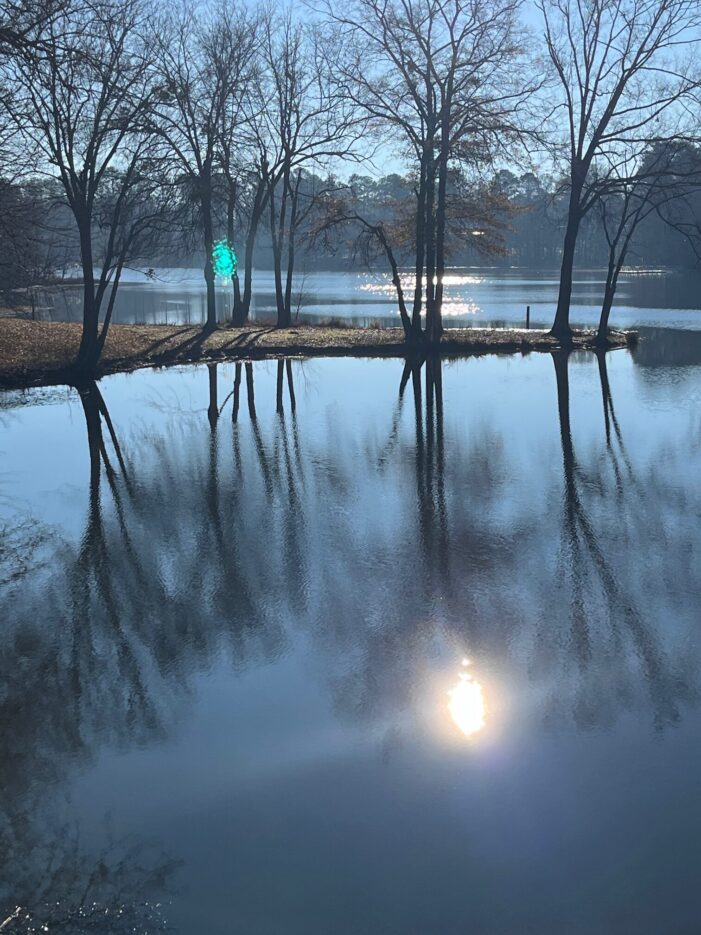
point(238, 601)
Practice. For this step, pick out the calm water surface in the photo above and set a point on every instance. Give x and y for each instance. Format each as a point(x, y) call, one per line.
point(473, 298)
point(238, 607)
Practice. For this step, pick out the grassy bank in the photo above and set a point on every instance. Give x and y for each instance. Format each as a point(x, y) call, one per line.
point(41, 353)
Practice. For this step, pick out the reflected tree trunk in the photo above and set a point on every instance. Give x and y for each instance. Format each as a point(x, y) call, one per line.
point(611, 423)
point(237, 394)
point(94, 565)
point(250, 392)
point(584, 547)
point(430, 462)
point(279, 386)
point(257, 437)
point(290, 385)
point(581, 637)
point(285, 378)
point(212, 493)
point(213, 408)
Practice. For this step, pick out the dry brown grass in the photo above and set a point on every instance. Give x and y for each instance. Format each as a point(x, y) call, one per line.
point(39, 353)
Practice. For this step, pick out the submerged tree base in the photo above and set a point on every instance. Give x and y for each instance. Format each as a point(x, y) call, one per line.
point(42, 353)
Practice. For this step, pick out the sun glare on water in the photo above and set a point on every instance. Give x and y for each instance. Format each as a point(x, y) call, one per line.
point(466, 704)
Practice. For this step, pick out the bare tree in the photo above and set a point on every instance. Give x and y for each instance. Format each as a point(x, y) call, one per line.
point(666, 176)
point(441, 77)
point(233, 144)
point(621, 69)
point(474, 215)
point(252, 197)
point(81, 106)
point(22, 23)
point(201, 56)
point(373, 238)
point(25, 256)
point(304, 120)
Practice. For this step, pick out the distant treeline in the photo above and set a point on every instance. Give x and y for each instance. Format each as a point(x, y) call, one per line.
point(39, 242)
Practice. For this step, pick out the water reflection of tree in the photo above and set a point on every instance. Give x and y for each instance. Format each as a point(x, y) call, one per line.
point(72, 676)
point(596, 646)
point(56, 886)
point(21, 547)
point(430, 462)
point(217, 546)
point(220, 535)
point(452, 559)
point(144, 600)
point(610, 636)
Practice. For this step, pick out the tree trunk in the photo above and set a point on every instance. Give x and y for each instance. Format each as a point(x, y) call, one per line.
point(277, 275)
point(609, 293)
point(561, 325)
point(110, 308)
point(602, 333)
point(420, 247)
point(208, 230)
point(254, 221)
point(291, 250)
point(211, 322)
point(409, 332)
point(431, 252)
point(440, 228)
point(277, 224)
point(236, 309)
point(88, 351)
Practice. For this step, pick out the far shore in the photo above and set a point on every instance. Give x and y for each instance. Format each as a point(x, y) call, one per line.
point(34, 353)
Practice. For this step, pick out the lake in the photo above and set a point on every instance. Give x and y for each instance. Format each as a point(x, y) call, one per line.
point(474, 297)
point(342, 646)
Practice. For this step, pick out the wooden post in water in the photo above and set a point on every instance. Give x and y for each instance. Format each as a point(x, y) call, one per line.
point(528, 316)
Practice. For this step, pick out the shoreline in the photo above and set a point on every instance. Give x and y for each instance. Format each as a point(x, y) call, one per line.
point(34, 353)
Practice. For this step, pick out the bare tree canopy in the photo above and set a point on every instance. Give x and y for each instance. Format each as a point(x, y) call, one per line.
point(80, 108)
point(23, 22)
point(203, 61)
point(439, 79)
point(624, 70)
point(306, 120)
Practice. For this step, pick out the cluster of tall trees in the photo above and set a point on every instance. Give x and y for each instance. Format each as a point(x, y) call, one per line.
point(157, 125)
point(152, 121)
point(627, 81)
point(439, 79)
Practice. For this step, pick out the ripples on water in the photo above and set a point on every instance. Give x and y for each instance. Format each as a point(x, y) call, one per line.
point(237, 600)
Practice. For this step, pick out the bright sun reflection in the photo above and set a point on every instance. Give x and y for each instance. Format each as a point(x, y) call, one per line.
point(466, 703)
